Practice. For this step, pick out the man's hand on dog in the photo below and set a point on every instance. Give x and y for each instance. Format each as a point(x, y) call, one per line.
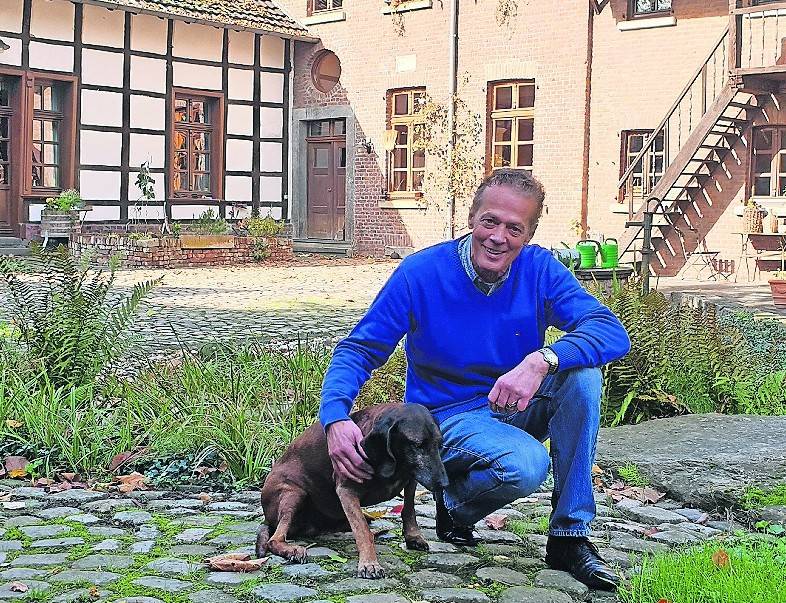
point(346, 453)
point(513, 391)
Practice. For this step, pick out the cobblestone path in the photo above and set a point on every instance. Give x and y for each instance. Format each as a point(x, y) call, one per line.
point(149, 547)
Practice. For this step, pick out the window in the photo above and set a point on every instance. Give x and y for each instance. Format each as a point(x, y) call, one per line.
point(646, 8)
point(318, 6)
point(511, 125)
point(769, 162)
point(326, 71)
point(47, 135)
point(652, 163)
point(407, 160)
point(6, 116)
point(196, 160)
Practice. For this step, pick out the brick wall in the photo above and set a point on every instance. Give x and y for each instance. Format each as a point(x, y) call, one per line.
point(168, 252)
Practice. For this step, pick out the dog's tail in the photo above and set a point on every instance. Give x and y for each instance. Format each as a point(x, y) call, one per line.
point(263, 535)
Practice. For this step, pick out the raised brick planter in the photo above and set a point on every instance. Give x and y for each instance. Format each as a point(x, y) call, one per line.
point(169, 252)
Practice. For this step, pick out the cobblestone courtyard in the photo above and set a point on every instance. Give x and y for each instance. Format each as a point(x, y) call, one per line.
point(149, 547)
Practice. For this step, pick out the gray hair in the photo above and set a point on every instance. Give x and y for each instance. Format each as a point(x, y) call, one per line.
point(521, 180)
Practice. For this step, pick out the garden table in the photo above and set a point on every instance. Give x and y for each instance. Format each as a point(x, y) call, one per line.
point(761, 246)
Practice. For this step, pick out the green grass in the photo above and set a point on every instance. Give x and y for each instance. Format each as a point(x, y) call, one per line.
point(754, 574)
point(522, 527)
point(755, 498)
point(631, 475)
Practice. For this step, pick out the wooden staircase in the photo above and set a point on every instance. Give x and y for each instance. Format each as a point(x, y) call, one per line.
point(700, 130)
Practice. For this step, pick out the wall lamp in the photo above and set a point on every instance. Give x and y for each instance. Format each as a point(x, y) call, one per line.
point(366, 144)
point(3, 46)
point(389, 140)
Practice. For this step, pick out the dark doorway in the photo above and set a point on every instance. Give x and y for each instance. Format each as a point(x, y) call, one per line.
point(7, 158)
point(327, 169)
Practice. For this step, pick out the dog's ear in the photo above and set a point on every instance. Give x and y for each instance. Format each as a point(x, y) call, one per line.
point(378, 449)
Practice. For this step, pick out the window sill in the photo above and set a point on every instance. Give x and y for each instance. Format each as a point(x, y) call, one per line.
point(327, 16)
point(647, 23)
point(619, 208)
point(404, 7)
point(406, 200)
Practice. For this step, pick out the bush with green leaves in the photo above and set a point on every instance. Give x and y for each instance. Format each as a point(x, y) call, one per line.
point(67, 327)
point(263, 227)
point(209, 223)
point(67, 200)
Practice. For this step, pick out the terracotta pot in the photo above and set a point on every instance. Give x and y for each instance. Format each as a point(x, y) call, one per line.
point(778, 288)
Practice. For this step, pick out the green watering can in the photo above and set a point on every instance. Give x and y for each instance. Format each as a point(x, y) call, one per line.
point(609, 254)
point(588, 251)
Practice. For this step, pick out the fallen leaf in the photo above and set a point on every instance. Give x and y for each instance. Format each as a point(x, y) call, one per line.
point(235, 562)
point(703, 519)
point(396, 510)
point(651, 495)
point(13, 423)
point(69, 477)
point(650, 532)
point(203, 471)
point(496, 522)
point(132, 481)
point(205, 497)
point(18, 587)
point(597, 470)
point(663, 601)
point(720, 558)
point(94, 593)
point(15, 466)
point(42, 482)
point(124, 457)
point(374, 514)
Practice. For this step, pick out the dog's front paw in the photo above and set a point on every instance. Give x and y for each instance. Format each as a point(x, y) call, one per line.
point(370, 570)
point(416, 543)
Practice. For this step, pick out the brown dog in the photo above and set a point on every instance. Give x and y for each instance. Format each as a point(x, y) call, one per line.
point(301, 498)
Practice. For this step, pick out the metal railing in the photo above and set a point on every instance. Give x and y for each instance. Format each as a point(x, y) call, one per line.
point(682, 117)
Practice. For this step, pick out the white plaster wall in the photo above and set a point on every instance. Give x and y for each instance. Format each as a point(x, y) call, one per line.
point(238, 155)
point(12, 56)
point(148, 74)
point(102, 108)
point(270, 156)
point(270, 188)
point(51, 57)
point(134, 193)
point(34, 211)
point(103, 212)
point(189, 212)
point(148, 34)
point(238, 188)
point(196, 41)
point(146, 147)
point(102, 68)
point(99, 185)
point(271, 122)
point(100, 148)
point(273, 212)
point(11, 16)
point(146, 212)
point(241, 84)
point(148, 113)
point(240, 119)
point(271, 52)
point(271, 87)
point(241, 47)
point(53, 19)
point(197, 76)
point(102, 26)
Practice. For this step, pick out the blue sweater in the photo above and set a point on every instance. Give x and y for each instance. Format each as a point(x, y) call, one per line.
point(459, 341)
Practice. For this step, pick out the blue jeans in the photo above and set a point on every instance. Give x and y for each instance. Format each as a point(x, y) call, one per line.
point(492, 458)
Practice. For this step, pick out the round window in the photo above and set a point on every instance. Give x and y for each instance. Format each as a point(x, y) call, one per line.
point(326, 71)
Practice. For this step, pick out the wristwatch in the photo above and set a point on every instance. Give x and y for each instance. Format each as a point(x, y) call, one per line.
point(551, 359)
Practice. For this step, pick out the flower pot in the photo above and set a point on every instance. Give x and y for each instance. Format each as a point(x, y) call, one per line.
point(778, 288)
point(753, 219)
point(59, 224)
point(192, 241)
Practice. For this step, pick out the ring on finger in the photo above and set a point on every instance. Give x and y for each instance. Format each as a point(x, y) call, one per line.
point(512, 404)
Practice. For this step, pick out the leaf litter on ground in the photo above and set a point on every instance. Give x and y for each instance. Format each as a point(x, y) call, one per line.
point(235, 562)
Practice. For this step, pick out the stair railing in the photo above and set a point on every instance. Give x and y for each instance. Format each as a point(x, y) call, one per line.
point(682, 117)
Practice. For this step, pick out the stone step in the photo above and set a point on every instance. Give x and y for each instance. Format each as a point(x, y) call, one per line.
point(12, 242)
point(19, 251)
point(324, 247)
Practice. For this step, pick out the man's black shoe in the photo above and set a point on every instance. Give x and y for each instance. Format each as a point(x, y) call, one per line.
point(448, 530)
point(581, 558)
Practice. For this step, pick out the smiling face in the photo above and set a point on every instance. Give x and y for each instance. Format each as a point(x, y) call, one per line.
point(502, 225)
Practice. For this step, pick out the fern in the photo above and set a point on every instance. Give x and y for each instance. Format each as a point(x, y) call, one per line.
point(68, 326)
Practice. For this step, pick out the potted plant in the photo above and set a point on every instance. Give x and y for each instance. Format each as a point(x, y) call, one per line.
point(60, 217)
point(778, 288)
point(208, 231)
point(753, 217)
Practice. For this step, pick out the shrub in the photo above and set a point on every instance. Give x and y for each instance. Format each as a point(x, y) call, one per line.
point(209, 223)
point(68, 328)
point(263, 227)
point(65, 201)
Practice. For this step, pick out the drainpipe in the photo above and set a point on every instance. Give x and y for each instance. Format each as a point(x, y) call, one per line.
point(454, 21)
point(587, 110)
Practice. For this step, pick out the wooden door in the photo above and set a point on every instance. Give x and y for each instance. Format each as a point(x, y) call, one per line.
point(6, 155)
point(327, 169)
